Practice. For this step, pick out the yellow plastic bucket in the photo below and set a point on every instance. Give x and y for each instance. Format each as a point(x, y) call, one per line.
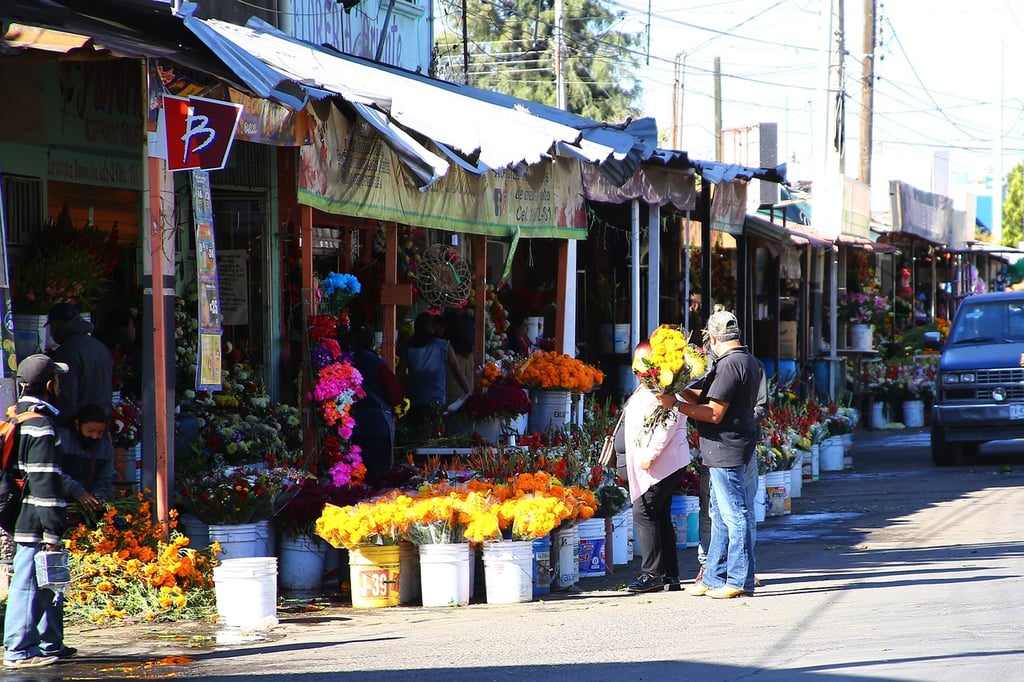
point(374, 570)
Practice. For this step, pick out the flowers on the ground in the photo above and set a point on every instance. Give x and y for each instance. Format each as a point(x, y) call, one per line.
point(125, 424)
point(556, 371)
point(243, 494)
point(122, 569)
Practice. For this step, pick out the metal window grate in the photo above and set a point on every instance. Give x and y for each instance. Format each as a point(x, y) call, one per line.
point(248, 167)
point(23, 208)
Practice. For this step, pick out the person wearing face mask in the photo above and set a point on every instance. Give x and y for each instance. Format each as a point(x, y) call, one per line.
point(88, 460)
point(91, 367)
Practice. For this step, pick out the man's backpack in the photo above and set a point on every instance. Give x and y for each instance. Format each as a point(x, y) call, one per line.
point(11, 487)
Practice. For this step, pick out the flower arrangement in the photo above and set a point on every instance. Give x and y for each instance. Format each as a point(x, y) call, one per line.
point(334, 293)
point(63, 274)
point(243, 494)
point(126, 424)
point(378, 521)
point(858, 308)
point(671, 365)
point(502, 398)
point(122, 568)
point(551, 370)
point(337, 384)
point(689, 483)
point(439, 518)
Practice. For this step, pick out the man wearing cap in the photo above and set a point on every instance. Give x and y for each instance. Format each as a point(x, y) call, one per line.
point(90, 377)
point(34, 619)
point(723, 412)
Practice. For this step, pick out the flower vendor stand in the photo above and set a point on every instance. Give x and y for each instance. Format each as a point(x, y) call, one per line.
point(444, 574)
point(300, 566)
point(508, 571)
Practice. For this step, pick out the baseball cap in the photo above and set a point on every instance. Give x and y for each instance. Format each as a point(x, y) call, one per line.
point(723, 325)
point(61, 312)
point(36, 370)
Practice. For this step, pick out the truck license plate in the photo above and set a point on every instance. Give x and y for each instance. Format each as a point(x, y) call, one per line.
point(1016, 411)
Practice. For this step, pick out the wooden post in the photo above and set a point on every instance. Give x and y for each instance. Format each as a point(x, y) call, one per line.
point(392, 294)
point(310, 444)
point(479, 248)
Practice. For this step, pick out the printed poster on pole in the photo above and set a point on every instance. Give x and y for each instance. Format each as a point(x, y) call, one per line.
point(208, 365)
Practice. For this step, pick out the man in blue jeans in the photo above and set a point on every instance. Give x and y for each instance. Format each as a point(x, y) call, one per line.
point(723, 412)
point(33, 621)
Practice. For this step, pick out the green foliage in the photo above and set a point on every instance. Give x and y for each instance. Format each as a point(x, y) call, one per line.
point(1013, 207)
point(511, 50)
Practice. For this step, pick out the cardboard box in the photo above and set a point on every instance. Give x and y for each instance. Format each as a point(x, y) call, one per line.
point(787, 339)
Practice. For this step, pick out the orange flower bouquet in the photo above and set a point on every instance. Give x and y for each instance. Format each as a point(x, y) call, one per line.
point(551, 370)
point(379, 521)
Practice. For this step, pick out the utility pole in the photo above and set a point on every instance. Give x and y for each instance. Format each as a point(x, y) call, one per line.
point(465, 45)
point(840, 141)
point(560, 101)
point(719, 150)
point(867, 92)
point(677, 100)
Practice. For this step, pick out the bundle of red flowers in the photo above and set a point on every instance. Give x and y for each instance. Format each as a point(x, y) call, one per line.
point(503, 398)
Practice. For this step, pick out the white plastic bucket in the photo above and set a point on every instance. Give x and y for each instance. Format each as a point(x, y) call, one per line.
point(565, 558)
point(807, 464)
point(678, 512)
point(508, 571)
point(622, 550)
point(760, 499)
point(301, 567)
point(197, 532)
point(408, 573)
point(621, 338)
point(913, 414)
point(796, 479)
point(550, 410)
point(444, 574)
point(816, 462)
point(246, 592)
point(878, 419)
point(847, 439)
point(535, 329)
point(832, 454)
point(237, 540)
point(860, 336)
point(592, 541)
point(266, 539)
point(692, 520)
point(777, 485)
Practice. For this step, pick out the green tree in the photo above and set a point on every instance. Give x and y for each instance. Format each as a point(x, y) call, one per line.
point(511, 47)
point(1013, 207)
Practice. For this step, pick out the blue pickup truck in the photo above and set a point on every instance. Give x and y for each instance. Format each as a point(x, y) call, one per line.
point(979, 392)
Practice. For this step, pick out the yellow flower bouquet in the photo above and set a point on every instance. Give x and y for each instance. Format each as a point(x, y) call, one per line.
point(670, 365)
point(378, 521)
point(551, 370)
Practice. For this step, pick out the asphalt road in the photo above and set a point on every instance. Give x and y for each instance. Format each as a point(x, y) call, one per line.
point(894, 570)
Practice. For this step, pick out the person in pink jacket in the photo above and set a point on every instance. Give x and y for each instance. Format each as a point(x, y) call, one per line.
point(655, 458)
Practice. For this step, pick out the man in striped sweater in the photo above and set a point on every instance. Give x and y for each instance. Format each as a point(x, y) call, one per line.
point(34, 620)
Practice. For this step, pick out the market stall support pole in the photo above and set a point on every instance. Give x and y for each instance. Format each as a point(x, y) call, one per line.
point(392, 295)
point(309, 436)
point(653, 267)
point(565, 315)
point(634, 275)
point(478, 244)
point(161, 287)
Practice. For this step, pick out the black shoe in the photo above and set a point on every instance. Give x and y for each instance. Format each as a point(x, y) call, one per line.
point(672, 583)
point(66, 652)
point(646, 583)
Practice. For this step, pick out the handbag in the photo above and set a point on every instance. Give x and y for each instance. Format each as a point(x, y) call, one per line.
point(609, 456)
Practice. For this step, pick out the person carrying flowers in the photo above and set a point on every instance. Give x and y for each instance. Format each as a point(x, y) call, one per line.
point(724, 413)
point(657, 452)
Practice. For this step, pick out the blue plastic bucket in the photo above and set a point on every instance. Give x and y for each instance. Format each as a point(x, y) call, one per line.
point(787, 371)
point(680, 513)
point(769, 366)
point(821, 377)
point(542, 565)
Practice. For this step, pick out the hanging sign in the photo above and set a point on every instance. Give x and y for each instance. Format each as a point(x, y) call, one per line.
point(199, 132)
point(208, 362)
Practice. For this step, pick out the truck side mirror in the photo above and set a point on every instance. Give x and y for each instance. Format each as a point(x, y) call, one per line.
point(932, 340)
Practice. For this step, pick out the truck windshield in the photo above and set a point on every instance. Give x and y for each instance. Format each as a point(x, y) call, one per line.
point(996, 321)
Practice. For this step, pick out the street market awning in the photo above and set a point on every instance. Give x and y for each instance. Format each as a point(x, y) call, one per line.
point(488, 131)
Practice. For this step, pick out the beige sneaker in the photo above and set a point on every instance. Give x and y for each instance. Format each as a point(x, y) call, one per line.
point(697, 589)
point(726, 592)
point(31, 662)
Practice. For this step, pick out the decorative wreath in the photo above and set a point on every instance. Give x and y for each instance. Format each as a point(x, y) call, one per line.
point(443, 277)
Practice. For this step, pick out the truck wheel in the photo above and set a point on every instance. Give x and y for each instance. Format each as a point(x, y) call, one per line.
point(946, 454)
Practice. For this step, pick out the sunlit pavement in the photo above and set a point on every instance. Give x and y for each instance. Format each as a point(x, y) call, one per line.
point(893, 569)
